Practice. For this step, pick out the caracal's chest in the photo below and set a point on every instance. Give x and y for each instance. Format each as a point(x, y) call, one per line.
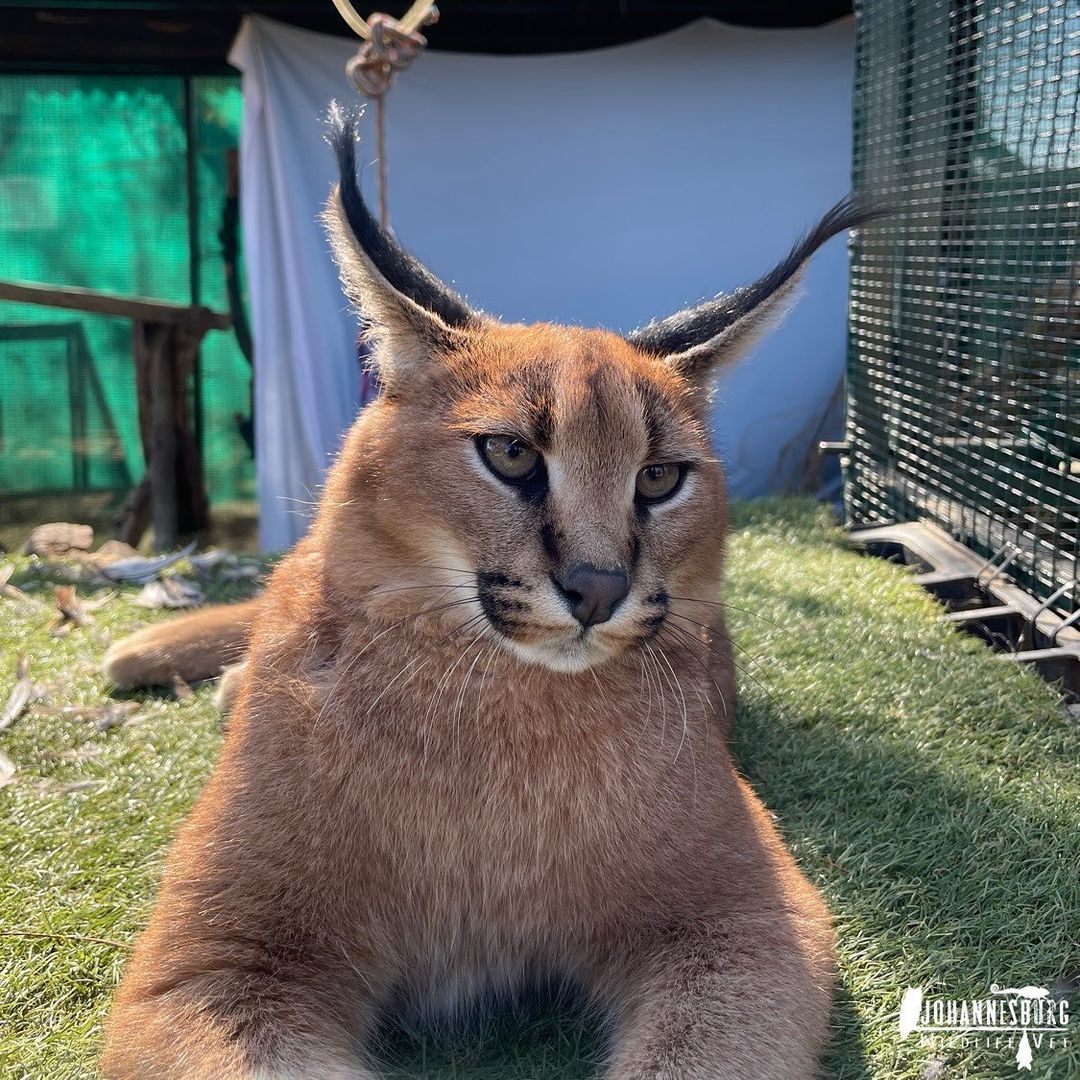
point(514, 799)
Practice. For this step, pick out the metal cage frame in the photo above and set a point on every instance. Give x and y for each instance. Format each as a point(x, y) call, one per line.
point(964, 354)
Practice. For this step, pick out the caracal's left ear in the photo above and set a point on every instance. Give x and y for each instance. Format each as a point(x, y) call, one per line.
point(410, 315)
point(701, 340)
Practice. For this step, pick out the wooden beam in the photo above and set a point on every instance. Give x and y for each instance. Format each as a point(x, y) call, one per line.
point(194, 36)
point(136, 308)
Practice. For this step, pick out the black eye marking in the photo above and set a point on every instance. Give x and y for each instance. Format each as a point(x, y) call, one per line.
point(652, 624)
point(496, 579)
point(550, 541)
point(496, 605)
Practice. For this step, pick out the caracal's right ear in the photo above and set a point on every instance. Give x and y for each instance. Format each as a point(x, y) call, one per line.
point(699, 342)
point(410, 315)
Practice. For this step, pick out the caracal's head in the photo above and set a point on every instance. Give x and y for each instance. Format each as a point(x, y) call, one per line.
point(549, 487)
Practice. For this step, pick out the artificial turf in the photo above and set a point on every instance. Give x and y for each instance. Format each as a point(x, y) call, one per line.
point(931, 790)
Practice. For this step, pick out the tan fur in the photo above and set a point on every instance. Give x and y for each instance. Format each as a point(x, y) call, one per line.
point(229, 686)
point(196, 646)
point(414, 806)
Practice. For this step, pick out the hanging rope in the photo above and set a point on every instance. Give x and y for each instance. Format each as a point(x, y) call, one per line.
point(390, 45)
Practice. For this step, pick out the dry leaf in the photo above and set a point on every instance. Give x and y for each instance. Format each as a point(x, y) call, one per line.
point(75, 712)
point(115, 714)
point(207, 561)
point(100, 602)
point(142, 570)
point(77, 755)
point(72, 612)
point(7, 769)
point(21, 694)
point(12, 592)
point(171, 592)
point(104, 717)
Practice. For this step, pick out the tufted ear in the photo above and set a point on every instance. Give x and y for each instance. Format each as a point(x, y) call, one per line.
point(410, 315)
point(698, 342)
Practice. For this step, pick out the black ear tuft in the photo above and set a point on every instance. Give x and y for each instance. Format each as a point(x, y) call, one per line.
point(698, 325)
point(401, 270)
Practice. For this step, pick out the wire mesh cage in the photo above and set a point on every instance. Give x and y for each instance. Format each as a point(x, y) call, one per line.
point(57, 433)
point(114, 183)
point(965, 340)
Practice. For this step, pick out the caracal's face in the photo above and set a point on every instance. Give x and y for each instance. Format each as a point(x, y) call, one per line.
point(556, 493)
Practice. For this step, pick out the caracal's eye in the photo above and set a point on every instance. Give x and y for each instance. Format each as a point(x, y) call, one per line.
point(508, 457)
point(658, 482)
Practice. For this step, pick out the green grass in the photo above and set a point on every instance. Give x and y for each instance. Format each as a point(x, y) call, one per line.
point(931, 790)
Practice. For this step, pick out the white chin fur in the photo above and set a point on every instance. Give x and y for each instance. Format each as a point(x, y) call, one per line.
point(571, 655)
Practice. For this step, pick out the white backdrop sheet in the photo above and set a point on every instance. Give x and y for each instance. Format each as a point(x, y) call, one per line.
point(596, 188)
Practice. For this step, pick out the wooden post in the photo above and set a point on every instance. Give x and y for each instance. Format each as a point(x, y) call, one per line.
point(130, 522)
point(166, 341)
point(162, 463)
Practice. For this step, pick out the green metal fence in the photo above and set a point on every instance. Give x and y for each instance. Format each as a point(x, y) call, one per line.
point(965, 345)
point(114, 183)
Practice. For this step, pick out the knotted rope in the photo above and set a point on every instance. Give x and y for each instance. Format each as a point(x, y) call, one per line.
point(390, 45)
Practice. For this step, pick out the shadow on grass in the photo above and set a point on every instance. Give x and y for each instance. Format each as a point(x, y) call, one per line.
point(546, 1037)
point(543, 1035)
point(844, 1059)
point(948, 875)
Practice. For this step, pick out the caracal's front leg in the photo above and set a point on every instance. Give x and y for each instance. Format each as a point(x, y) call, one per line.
point(257, 1017)
point(745, 997)
point(255, 965)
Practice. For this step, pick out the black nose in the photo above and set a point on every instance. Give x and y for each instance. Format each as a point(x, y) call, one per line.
point(592, 593)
